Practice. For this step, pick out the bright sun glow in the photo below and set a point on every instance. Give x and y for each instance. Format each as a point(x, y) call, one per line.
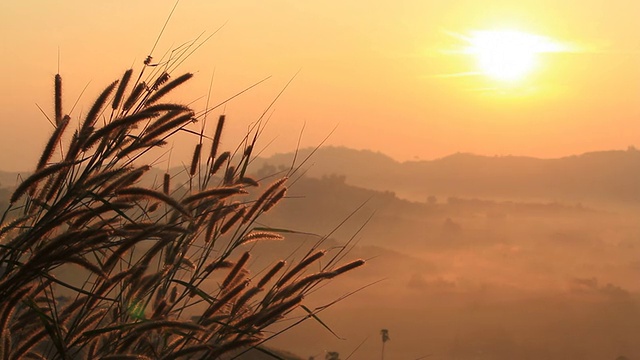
point(508, 55)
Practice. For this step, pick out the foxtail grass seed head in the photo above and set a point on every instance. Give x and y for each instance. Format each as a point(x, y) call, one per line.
point(244, 298)
point(259, 236)
point(269, 275)
point(218, 264)
point(274, 313)
point(134, 96)
point(166, 184)
point(168, 87)
point(239, 214)
point(160, 80)
point(225, 299)
point(195, 160)
point(36, 177)
point(153, 207)
point(162, 120)
point(53, 142)
point(173, 124)
point(174, 294)
point(211, 227)
point(348, 267)
point(217, 164)
point(94, 112)
point(144, 192)
point(167, 107)
point(58, 98)
point(301, 266)
point(247, 181)
point(258, 204)
point(216, 137)
point(229, 175)
point(236, 269)
point(274, 200)
point(121, 88)
point(127, 179)
point(301, 284)
point(217, 193)
point(117, 127)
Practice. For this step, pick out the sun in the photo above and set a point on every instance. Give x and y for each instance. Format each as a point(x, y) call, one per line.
point(508, 55)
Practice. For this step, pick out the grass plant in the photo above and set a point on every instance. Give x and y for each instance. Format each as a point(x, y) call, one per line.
point(145, 252)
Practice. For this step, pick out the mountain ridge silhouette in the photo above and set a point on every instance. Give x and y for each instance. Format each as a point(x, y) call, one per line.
point(611, 176)
point(604, 176)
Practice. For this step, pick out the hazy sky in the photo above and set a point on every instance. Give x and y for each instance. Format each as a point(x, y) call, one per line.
point(388, 74)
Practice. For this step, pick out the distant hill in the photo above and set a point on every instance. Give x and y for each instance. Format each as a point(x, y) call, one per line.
point(606, 176)
point(609, 176)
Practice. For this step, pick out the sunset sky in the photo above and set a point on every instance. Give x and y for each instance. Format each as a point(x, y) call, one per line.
point(392, 76)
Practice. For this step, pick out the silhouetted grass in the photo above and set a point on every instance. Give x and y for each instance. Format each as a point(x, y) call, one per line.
point(145, 251)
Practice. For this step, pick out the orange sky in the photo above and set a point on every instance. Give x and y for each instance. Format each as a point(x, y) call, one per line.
point(373, 69)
